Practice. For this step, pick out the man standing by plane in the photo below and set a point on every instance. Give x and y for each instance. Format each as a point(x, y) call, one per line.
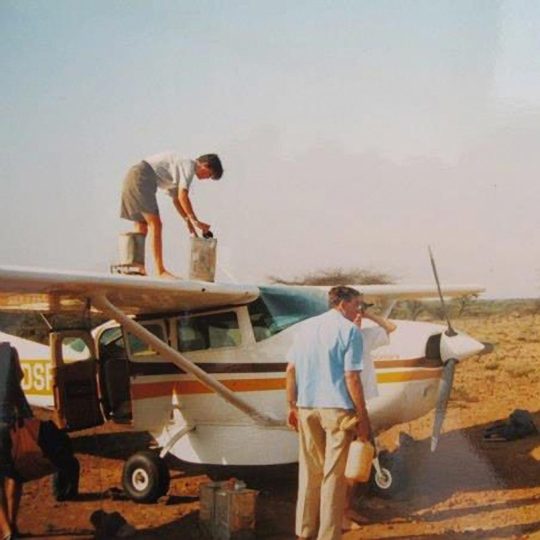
point(174, 175)
point(324, 392)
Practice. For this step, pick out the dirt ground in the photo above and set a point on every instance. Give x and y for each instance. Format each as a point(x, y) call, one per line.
point(469, 488)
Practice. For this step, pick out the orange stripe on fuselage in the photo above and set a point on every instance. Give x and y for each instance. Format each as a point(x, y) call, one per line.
point(406, 376)
point(158, 389)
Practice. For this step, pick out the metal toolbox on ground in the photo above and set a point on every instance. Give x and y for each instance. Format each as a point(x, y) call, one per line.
point(227, 510)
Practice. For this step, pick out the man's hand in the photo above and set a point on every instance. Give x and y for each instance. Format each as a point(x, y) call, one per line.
point(292, 418)
point(191, 228)
point(204, 227)
point(363, 428)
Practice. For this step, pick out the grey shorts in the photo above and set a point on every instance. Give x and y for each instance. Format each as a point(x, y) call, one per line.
point(139, 193)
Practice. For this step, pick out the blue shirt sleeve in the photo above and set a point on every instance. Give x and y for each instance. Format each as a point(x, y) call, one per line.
point(353, 351)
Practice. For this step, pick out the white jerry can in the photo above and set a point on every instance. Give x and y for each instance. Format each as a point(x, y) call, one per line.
point(202, 264)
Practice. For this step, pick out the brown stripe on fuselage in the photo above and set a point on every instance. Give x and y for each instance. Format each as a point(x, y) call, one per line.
point(168, 368)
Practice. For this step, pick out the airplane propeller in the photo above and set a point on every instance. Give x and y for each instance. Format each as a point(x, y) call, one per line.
point(453, 347)
point(442, 401)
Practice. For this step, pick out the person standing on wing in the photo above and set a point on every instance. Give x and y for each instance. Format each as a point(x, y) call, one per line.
point(169, 172)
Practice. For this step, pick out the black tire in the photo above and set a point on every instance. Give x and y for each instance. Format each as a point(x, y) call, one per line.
point(145, 477)
point(393, 482)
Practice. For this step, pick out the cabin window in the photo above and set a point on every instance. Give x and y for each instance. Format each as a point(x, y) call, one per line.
point(75, 350)
point(138, 348)
point(277, 308)
point(112, 344)
point(211, 331)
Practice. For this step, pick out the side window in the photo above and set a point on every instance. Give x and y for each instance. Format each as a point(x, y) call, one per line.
point(112, 344)
point(138, 348)
point(261, 320)
point(279, 308)
point(208, 331)
point(74, 349)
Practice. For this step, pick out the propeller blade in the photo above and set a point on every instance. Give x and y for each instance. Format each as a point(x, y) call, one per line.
point(450, 331)
point(442, 401)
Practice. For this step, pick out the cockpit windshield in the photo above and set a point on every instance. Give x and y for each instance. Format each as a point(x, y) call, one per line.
point(279, 307)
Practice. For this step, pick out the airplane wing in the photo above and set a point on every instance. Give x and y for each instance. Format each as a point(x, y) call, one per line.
point(380, 293)
point(385, 296)
point(385, 293)
point(48, 291)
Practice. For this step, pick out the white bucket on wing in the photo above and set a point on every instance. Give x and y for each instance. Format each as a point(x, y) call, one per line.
point(131, 247)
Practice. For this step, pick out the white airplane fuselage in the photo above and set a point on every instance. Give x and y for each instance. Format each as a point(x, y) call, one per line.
point(162, 400)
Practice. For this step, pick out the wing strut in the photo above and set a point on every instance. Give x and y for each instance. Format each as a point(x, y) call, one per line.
point(103, 303)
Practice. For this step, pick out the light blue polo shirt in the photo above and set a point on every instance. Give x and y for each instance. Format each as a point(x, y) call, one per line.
point(324, 348)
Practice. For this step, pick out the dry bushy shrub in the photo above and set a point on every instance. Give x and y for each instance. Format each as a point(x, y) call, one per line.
point(338, 276)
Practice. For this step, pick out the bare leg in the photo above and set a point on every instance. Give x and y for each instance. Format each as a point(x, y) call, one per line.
point(13, 496)
point(142, 228)
point(5, 525)
point(155, 229)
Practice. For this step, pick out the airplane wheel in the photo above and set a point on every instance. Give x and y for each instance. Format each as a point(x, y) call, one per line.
point(145, 477)
point(392, 482)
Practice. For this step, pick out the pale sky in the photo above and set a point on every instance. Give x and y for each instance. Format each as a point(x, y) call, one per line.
point(353, 133)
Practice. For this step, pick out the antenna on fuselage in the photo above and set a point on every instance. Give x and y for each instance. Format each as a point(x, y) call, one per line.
point(450, 331)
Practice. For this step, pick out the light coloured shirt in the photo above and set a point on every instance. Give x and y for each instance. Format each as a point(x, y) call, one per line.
point(373, 337)
point(324, 348)
point(173, 172)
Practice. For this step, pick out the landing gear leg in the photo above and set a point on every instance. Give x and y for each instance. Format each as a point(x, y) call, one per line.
point(389, 476)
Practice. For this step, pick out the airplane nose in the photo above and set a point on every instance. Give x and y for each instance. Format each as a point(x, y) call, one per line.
point(460, 346)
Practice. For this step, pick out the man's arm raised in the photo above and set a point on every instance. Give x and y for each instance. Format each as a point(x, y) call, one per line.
point(387, 325)
point(354, 387)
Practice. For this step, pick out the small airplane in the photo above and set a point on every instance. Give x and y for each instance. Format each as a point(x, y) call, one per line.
point(201, 366)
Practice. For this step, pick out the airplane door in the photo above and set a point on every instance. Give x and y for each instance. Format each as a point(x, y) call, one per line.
point(74, 380)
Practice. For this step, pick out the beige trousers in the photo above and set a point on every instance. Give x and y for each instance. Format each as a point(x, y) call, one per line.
point(321, 483)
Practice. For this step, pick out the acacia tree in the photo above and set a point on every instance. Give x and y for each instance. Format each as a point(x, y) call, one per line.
point(338, 276)
point(464, 303)
point(414, 308)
